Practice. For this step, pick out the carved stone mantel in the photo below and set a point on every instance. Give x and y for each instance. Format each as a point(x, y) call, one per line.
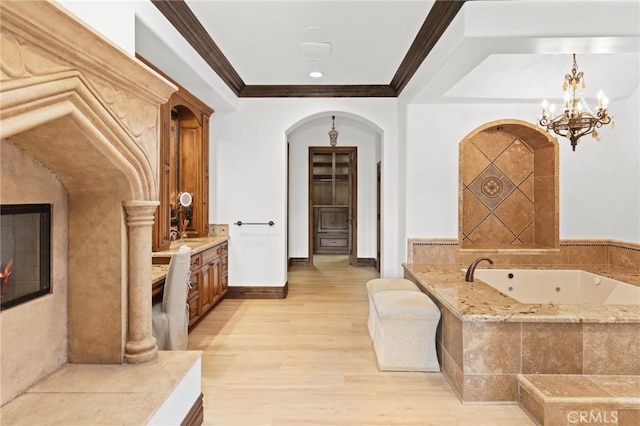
point(88, 112)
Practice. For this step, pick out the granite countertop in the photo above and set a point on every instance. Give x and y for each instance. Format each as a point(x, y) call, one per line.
point(197, 245)
point(158, 273)
point(478, 301)
point(159, 270)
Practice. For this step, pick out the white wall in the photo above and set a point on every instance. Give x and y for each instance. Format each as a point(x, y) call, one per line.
point(113, 19)
point(139, 27)
point(248, 174)
point(623, 162)
point(248, 155)
point(598, 182)
point(314, 133)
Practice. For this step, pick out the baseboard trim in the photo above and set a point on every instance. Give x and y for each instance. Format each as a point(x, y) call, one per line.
point(367, 261)
point(304, 261)
point(258, 292)
point(195, 416)
point(298, 261)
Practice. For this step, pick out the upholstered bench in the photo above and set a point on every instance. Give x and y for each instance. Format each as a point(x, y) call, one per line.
point(384, 284)
point(405, 331)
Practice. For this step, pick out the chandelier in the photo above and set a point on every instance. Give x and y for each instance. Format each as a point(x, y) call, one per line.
point(333, 133)
point(576, 119)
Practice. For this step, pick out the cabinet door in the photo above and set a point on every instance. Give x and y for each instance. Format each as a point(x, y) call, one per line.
point(215, 280)
point(206, 289)
point(224, 268)
point(194, 298)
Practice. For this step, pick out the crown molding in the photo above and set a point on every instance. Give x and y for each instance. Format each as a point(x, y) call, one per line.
point(318, 91)
point(182, 18)
point(437, 21)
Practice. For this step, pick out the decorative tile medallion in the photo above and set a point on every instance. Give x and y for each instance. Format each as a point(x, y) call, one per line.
point(491, 187)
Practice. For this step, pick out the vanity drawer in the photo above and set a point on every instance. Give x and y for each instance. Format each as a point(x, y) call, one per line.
point(211, 254)
point(196, 262)
point(194, 290)
point(194, 314)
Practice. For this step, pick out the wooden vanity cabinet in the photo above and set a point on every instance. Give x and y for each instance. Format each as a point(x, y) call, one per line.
point(208, 280)
point(193, 298)
point(207, 276)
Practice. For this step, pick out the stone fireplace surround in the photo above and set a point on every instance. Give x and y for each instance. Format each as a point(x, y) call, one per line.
point(79, 130)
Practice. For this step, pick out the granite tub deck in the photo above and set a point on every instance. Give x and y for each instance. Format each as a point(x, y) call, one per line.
point(575, 399)
point(485, 338)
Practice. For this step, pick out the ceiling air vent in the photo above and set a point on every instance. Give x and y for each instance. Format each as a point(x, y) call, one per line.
point(315, 49)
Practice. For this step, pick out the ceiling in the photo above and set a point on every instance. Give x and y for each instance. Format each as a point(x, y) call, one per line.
point(476, 51)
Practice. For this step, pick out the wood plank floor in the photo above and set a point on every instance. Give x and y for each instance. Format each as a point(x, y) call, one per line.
point(308, 360)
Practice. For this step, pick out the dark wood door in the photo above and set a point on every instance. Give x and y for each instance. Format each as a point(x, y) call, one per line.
point(332, 201)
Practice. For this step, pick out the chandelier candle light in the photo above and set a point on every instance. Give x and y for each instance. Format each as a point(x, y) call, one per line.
point(576, 119)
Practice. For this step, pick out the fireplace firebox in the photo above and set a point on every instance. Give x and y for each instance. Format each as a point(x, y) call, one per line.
point(25, 252)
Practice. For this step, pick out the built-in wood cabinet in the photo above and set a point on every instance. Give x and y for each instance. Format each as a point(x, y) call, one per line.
point(184, 167)
point(331, 230)
point(331, 177)
point(184, 159)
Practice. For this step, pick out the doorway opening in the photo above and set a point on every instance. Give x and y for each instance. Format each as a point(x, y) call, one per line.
point(333, 207)
point(365, 139)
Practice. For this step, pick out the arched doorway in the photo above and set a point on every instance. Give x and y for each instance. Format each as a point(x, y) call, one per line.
point(312, 132)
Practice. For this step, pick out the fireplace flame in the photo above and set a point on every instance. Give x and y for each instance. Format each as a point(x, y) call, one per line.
point(4, 275)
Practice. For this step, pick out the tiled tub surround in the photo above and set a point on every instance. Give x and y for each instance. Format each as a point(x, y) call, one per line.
point(508, 186)
point(485, 338)
point(575, 254)
point(571, 399)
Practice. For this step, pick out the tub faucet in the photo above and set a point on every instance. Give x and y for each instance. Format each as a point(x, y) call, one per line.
point(472, 268)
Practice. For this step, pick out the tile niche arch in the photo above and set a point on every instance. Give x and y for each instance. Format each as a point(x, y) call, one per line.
point(508, 187)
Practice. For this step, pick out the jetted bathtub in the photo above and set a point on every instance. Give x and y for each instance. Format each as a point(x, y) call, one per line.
point(559, 286)
point(529, 321)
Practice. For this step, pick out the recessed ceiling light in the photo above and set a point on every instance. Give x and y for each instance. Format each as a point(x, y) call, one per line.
point(315, 74)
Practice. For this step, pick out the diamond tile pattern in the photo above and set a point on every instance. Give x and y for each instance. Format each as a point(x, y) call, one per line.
point(474, 212)
point(491, 187)
point(517, 212)
point(473, 162)
point(498, 202)
point(516, 162)
point(492, 143)
point(491, 230)
point(527, 187)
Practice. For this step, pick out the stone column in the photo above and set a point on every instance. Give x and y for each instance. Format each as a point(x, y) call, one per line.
point(141, 345)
